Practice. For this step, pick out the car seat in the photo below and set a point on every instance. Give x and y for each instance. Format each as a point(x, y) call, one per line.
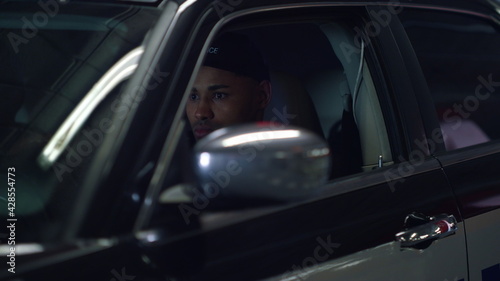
point(362, 113)
point(291, 104)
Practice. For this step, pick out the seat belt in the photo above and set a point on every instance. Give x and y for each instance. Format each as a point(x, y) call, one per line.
point(348, 148)
point(350, 144)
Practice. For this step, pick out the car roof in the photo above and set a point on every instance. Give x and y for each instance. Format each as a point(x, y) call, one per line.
point(481, 6)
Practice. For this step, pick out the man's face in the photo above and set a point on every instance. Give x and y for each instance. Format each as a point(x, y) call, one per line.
point(221, 98)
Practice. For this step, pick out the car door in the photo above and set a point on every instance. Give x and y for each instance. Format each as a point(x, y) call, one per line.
point(396, 218)
point(465, 100)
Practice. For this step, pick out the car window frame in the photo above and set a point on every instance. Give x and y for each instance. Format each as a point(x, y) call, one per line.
point(337, 186)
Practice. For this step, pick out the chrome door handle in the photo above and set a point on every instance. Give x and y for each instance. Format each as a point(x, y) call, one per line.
point(438, 227)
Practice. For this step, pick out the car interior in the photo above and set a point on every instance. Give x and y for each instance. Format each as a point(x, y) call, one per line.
point(317, 86)
point(326, 91)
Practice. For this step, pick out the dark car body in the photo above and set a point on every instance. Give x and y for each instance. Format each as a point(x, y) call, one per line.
point(95, 142)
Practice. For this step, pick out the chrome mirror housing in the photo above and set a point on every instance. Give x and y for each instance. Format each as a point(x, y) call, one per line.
point(261, 162)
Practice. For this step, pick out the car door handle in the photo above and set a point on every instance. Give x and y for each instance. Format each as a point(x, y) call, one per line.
point(421, 236)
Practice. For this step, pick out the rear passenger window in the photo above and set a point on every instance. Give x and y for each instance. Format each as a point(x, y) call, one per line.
point(460, 57)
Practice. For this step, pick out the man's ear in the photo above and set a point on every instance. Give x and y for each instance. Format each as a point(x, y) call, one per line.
point(265, 93)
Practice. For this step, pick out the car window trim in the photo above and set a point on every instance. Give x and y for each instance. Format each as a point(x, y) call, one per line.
point(119, 72)
point(159, 175)
point(333, 188)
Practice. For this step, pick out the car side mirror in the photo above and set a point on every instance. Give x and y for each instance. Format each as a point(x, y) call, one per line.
point(261, 163)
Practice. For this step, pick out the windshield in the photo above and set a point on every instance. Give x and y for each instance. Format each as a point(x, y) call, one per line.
point(51, 55)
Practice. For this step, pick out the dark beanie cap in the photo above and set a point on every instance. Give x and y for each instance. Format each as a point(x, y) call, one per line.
point(236, 53)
